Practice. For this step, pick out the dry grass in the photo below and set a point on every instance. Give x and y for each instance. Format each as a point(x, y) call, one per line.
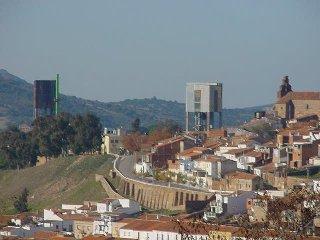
point(68, 180)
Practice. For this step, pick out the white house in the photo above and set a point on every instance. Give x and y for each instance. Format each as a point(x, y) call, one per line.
point(102, 226)
point(247, 160)
point(119, 206)
point(25, 231)
point(227, 204)
point(234, 154)
point(215, 166)
point(186, 166)
point(75, 208)
point(58, 221)
point(143, 167)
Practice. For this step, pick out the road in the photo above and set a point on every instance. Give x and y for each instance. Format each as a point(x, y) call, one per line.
point(125, 165)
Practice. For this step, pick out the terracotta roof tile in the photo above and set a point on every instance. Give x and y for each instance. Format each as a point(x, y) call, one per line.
point(97, 237)
point(254, 154)
point(299, 96)
point(239, 151)
point(209, 158)
point(39, 235)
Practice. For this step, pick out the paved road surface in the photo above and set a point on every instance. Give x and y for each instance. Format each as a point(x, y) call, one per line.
point(125, 165)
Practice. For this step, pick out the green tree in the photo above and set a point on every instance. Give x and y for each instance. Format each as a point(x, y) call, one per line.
point(17, 149)
point(21, 202)
point(53, 134)
point(169, 125)
point(87, 133)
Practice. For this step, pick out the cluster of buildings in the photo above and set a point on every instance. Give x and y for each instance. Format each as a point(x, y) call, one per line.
point(236, 165)
point(235, 159)
point(246, 173)
point(211, 160)
point(75, 221)
point(123, 219)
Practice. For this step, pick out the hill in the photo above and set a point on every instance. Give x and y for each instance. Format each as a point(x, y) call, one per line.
point(61, 180)
point(16, 107)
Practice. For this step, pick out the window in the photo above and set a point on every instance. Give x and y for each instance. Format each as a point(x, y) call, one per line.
point(197, 100)
point(197, 106)
point(197, 96)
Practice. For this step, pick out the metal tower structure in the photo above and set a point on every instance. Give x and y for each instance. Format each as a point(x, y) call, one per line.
point(46, 97)
point(57, 95)
point(203, 102)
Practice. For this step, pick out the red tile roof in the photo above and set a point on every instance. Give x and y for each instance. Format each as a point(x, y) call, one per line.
point(58, 237)
point(97, 237)
point(239, 151)
point(254, 154)
point(299, 96)
point(209, 158)
point(43, 235)
point(142, 225)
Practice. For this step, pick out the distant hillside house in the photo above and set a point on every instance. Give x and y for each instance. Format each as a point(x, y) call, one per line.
point(291, 104)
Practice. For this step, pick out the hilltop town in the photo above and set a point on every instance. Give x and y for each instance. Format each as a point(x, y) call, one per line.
point(259, 180)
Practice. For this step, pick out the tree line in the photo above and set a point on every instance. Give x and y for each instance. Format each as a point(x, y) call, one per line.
point(50, 136)
point(139, 137)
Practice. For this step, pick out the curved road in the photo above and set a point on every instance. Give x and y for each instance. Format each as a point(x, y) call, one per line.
point(125, 165)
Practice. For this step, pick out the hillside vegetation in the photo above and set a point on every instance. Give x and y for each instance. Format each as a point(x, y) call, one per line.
point(16, 107)
point(61, 180)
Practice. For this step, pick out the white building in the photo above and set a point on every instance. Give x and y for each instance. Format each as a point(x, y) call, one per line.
point(186, 166)
point(215, 166)
point(25, 231)
point(103, 225)
point(119, 206)
point(143, 167)
point(247, 161)
point(112, 141)
point(59, 221)
point(228, 204)
point(74, 208)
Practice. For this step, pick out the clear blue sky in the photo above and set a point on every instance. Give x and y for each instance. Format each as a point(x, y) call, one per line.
point(113, 50)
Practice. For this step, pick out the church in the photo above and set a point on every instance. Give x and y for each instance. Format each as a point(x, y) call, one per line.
point(291, 104)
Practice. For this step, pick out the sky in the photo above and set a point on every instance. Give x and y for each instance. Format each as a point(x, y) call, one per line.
point(112, 50)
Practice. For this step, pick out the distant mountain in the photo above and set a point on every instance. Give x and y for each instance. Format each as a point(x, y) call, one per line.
point(16, 107)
